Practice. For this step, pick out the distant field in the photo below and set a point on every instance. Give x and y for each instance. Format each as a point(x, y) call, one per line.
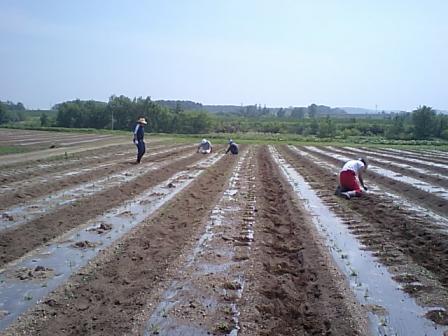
point(84, 230)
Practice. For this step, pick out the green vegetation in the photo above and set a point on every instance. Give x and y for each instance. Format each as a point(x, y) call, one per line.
point(12, 150)
point(252, 124)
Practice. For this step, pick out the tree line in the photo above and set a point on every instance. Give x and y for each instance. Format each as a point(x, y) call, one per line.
point(121, 112)
point(11, 112)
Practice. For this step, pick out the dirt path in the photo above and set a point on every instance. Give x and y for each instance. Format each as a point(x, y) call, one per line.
point(18, 241)
point(108, 297)
point(237, 250)
point(292, 288)
point(203, 296)
point(398, 238)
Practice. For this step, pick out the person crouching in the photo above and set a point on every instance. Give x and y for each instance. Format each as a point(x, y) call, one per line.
point(205, 147)
point(351, 172)
point(139, 134)
point(233, 147)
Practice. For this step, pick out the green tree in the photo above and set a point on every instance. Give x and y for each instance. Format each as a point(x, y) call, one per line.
point(4, 116)
point(423, 120)
point(314, 126)
point(312, 111)
point(44, 119)
point(441, 125)
point(396, 130)
point(327, 129)
point(298, 112)
point(281, 112)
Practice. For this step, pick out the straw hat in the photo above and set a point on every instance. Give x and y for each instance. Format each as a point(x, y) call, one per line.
point(142, 120)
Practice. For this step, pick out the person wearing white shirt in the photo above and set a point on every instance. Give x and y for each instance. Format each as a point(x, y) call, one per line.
point(350, 174)
point(205, 147)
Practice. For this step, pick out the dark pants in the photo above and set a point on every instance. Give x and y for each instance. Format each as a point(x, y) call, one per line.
point(141, 149)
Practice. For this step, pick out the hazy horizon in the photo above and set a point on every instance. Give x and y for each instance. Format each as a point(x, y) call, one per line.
point(274, 53)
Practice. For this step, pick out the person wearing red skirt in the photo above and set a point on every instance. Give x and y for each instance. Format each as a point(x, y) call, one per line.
point(351, 172)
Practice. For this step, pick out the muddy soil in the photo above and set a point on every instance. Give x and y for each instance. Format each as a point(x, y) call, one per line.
point(428, 200)
point(292, 287)
point(16, 172)
point(109, 296)
point(38, 140)
point(14, 159)
point(396, 235)
point(45, 166)
point(28, 191)
point(435, 180)
point(17, 241)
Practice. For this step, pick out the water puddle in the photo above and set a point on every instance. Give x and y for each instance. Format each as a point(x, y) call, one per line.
point(429, 188)
point(211, 281)
point(392, 311)
point(68, 253)
point(29, 211)
point(418, 211)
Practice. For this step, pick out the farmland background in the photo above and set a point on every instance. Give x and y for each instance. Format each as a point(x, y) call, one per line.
point(249, 123)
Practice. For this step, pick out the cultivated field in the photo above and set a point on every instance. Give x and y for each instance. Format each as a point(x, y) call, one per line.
point(248, 244)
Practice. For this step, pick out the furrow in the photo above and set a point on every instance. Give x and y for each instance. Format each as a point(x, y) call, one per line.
point(418, 192)
point(24, 191)
point(62, 257)
point(110, 295)
point(17, 241)
point(371, 282)
point(28, 211)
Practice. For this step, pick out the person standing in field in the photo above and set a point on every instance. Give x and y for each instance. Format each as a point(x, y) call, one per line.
point(233, 147)
point(351, 172)
point(205, 147)
point(139, 134)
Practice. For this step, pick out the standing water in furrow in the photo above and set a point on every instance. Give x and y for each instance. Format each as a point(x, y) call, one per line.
point(439, 191)
point(204, 297)
point(26, 281)
point(393, 312)
point(26, 212)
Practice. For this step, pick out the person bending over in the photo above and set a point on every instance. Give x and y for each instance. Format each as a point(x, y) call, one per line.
point(233, 147)
point(205, 147)
point(351, 172)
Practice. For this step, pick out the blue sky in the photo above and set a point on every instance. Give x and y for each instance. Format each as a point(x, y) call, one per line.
point(279, 53)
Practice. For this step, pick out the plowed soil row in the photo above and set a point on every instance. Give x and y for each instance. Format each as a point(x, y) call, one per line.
point(412, 154)
point(73, 161)
point(109, 296)
point(292, 287)
point(22, 239)
point(419, 196)
point(393, 233)
point(371, 157)
point(54, 153)
point(29, 191)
